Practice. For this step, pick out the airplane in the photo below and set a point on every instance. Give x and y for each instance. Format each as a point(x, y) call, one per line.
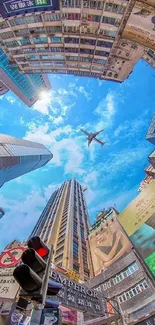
point(92, 137)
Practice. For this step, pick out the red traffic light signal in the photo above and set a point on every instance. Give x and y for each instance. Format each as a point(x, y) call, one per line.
point(38, 245)
point(33, 274)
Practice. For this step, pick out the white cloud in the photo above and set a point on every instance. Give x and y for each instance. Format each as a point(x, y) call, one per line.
point(106, 110)
point(10, 99)
point(21, 216)
point(83, 91)
point(50, 189)
point(131, 128)
point(58, 120)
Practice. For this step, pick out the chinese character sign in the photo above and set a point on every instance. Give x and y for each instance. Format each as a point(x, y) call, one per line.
point(12, 7)
point(138, 220)
point(8, 288)
point(78, 296)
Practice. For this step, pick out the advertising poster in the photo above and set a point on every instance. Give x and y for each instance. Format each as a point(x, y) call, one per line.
point(108, 243)
point(68, 316)
point(140, 27)
point(138, 220)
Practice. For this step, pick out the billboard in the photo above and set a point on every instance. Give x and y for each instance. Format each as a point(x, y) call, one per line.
point(108, 243)
point(138, 220)
point(13, 7)
point(140, 27)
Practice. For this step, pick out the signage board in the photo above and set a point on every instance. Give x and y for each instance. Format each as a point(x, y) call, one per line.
point(78, 296)
point(14, 7)
point(11, 257)
point(8, 286)
point(140, 27)
point(68, 316)
point(138, 220)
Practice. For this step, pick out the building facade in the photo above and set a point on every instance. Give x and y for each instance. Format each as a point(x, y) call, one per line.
point(3, 88)
point(83, 38)
point(18, 157)
point(151, 131)
point(123, 279)
point(26, 87)
point(65, 223)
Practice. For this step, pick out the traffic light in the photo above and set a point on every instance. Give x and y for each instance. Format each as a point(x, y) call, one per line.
point(33, 274)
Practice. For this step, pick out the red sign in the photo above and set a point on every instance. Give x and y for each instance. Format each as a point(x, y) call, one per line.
point(11, 257)
point(68, 315)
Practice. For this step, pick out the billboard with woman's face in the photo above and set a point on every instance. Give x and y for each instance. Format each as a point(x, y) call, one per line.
point(108, 243)
point(138, 220)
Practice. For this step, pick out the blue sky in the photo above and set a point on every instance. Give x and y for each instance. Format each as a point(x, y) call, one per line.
point(112, 173)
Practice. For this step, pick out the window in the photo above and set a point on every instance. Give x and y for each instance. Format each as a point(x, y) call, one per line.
point(125, 273)
point(58, 251)
point(140, 287)
point(58, 258)
point(82, 232)
point(76, 267)
point(75, 249)
point(75, 227)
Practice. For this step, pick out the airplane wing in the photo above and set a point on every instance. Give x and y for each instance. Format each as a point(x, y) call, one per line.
point(84, 131)
point(99, 141)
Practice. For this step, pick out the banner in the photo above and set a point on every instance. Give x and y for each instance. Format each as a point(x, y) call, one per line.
point(108, 243)
point(138, 220)
point(140, 27)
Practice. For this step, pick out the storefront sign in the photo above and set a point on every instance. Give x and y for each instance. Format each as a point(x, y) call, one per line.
point(78, 296)
point(12, 7)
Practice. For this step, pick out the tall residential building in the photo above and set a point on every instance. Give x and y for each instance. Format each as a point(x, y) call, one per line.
point(26, 87)
point(65, 223)
point(84, 38)
point(120, 274)
point(18, 157)
point(151, 131)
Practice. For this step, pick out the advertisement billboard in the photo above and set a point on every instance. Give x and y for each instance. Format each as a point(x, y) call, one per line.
point(138, 220)
point(13, 7)
point(108, 243)
point(140, 27)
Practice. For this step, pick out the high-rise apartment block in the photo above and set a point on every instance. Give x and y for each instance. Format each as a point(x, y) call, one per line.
point(120, 273)
point(65, 223)
point(85, 38)
point(151, 131)
point(18, 157)
point(26, 87)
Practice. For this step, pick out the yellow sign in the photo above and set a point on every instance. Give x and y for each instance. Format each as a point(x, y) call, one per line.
point(139, 211)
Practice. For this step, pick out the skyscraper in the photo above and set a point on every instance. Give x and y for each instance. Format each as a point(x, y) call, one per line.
point(151, 131)
point(64, 223)
point(18, 157)
point(27, 88)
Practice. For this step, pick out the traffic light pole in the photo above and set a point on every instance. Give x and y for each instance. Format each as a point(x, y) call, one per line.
point(44, 289)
